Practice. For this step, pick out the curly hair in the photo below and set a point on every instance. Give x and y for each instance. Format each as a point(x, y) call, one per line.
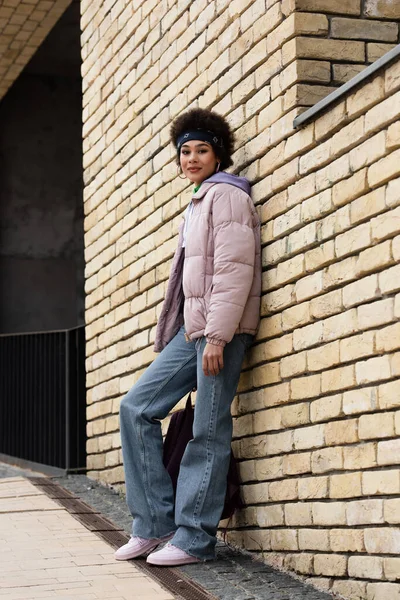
point(199, 118)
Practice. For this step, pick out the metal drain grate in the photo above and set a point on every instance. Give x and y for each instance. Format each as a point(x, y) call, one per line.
point(114, 538)
point(75, 506)
point(42, 481)
point(95, 522)
point(56, 491)
point(171, 579)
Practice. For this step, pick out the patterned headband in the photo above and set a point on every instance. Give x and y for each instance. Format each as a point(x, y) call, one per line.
point(201, 135)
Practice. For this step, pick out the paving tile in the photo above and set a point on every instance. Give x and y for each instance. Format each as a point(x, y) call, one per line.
point(48, 554)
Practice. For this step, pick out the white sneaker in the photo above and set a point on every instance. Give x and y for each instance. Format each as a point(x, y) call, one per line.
point(171, 556)
point(138, 546)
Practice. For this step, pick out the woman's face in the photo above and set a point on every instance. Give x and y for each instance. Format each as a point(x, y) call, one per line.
point(198, 160)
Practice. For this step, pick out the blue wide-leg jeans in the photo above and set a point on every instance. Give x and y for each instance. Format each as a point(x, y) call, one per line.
point(194, 515)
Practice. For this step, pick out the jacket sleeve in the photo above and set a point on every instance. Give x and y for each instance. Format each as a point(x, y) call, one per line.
point(234, 257)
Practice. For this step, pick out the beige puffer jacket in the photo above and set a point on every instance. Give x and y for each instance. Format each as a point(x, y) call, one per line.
point(217, 277)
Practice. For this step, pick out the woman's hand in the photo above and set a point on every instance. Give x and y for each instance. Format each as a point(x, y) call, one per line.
point(213, 359)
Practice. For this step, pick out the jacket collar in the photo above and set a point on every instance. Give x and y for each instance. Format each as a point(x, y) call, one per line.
point(205, 186)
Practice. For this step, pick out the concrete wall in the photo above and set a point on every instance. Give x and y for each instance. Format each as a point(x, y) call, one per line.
point(41, 213)
point(316, 419)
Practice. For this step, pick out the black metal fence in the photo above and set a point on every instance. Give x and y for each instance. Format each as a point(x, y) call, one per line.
point(42, 398)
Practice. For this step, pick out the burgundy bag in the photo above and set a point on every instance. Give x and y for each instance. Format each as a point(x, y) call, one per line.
point(179, 434)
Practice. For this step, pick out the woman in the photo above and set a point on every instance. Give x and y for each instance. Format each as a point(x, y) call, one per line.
point(209, 318)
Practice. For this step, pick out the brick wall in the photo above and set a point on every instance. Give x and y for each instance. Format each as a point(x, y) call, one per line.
point(24, 24)
point(316, 425)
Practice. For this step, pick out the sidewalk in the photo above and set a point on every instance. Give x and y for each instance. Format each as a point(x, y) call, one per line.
point(46, 553)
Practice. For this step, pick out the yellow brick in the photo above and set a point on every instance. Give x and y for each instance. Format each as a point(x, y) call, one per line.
point(368, 152)
point(255, 494)
point(392, 82)
point(296, 316)
point(316, 207)
point(330, 564)
point(359, 400)
point(388, 339)
point(327, 408)
point(384, 169)
point(361, 456)
point(269, 468)
point(353, 240)
point(305, 387)
point(376, 50)
point(346, 190)
point(304, 188)
point(346, 485)
point(373, 258)
point(293, 365)
point(378, 425)
point(351, 540)
point(346, 137)
point(391, 567)
point(341, 432)
point(298, 513)
point(337, 379)
point(310, 286)
point(382, 540)
point(393, 136)
point(388, 452)
point(300, 563)
point(365, 567)
point(313, 487)
point(364, 512)
point(392, 192)
point(375, 314)
point(314, 539)
point(340, 325)
point(357, 346)
point(323, 357)
point(285, 175)
point(290, 270)
point(391, 510)
point(296, 464)
point(295, 414)
point(382, 591)
point(287, 222)
point(283, 490)
point(367, 206)
point(339, 273)
point(373, 369)
point(327, 459)
point(284, 539)
point(388, 394)
point(360, 291)
point(270, 516)
point(273, 348)
point(381, 482)
point(330, 49)
point(270, 327)
point(266, 374)
point(279, 443)
point(326, 305)
point(330, 121)
point(347, 588)
point(389, 280)
point(381, 114)
point(344, 72)
point(308, 437)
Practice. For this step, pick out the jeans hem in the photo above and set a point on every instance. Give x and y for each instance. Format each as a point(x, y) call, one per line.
point(191, 553)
